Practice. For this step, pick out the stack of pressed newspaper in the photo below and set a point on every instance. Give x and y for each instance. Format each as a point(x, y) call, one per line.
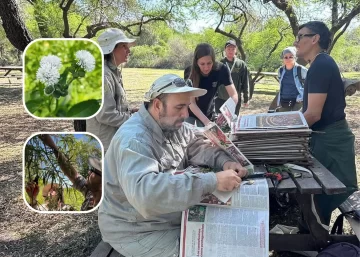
point(274, 138)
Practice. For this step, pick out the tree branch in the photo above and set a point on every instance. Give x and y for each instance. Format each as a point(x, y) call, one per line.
point(346, 19)
point(65, 9)
point(338, 36)
point(80, 24)
point(287, 8)
point(334, 13)
point(268, 56)
point(229, 35)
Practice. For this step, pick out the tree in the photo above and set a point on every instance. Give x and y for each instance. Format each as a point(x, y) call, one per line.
point(86, 16)
point(234, 18)
point(13, 24)
point(342, 13)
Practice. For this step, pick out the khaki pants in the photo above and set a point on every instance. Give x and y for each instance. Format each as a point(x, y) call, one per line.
point(153, 244)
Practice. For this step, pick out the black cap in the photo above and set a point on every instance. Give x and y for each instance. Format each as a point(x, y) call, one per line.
point(230, 42)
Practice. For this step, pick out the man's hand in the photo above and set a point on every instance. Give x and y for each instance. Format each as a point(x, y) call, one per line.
point(227, 180)
point(241, 171)
point(246, 105)
point(47, 140)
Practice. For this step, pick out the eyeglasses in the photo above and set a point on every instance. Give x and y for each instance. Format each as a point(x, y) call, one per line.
point(95, 171)
point(288, 57)
point(300, 36)
point(178, 82)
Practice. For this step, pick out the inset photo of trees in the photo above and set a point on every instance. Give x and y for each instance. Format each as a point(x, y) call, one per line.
point(62, 172)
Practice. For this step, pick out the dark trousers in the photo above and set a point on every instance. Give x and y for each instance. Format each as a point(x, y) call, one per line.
point(334, 148)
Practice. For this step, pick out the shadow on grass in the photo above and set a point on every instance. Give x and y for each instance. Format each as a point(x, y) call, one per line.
point(79, 243)
point(10, 94)
point(264, 92)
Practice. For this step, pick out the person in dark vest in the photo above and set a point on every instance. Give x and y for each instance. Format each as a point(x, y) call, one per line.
point(240, 76)
point(324, 110)
point(207, 74)
point(291, 78)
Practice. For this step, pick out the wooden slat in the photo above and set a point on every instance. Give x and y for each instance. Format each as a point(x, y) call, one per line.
point(261, 168)
point(287, 186)
point(307, 185)
point(329, 183)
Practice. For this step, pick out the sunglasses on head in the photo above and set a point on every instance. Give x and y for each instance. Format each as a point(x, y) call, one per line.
point(92, 169)
point(178, 82)
point(288, 57)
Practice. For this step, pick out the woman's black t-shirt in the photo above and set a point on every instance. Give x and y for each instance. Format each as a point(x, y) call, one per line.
point(219, 76)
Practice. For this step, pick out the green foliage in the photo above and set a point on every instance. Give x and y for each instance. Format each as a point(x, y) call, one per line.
point(145, 56)
point(72, 197)
point(346, 51)
point(40, 160)
point(77, 94)
point(259, 43)
point(8, 54)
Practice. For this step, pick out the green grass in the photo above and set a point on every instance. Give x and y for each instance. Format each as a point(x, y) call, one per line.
point(138, 81)
point(71, 197)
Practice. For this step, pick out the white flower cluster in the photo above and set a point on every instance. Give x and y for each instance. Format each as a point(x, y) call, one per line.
point(48, 73)
point(85, 60)
point(51, 59)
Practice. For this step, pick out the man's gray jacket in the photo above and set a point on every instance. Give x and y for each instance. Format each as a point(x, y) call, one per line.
point(141, 194)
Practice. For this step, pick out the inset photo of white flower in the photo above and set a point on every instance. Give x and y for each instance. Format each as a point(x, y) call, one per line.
point(62, 78)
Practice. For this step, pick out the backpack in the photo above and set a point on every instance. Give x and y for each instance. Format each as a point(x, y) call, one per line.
point(301, 79)
point(342, 249)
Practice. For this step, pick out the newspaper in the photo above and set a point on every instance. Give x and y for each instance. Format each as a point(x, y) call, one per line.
point(228, 110)
point(218, 137)
point(277, 120)
point(209, 231)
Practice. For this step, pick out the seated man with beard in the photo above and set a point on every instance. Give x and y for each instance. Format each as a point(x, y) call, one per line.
point(141, 211)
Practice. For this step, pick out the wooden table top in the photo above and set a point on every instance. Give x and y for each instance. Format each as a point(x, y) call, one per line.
point(322, 182)
point(11, 68)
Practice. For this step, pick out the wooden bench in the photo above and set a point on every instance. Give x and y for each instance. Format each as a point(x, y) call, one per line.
point(105, 250)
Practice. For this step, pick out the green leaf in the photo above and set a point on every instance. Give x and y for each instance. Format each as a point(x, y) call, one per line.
point(84, 109)
point(33, 105)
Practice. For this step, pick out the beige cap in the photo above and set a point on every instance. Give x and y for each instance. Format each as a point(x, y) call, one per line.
point(172, 84)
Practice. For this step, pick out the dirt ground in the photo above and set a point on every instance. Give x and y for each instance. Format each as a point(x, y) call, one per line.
point(26, 233)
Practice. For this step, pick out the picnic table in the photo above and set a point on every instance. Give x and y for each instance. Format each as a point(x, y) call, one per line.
point(322, 182)
point(11, 72)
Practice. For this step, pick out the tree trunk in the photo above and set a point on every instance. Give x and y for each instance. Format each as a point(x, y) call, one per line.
point(13, 24)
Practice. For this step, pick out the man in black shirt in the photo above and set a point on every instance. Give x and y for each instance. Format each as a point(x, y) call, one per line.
point(324, 110)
